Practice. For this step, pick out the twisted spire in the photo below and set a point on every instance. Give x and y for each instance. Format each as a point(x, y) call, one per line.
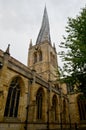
point(44, 33)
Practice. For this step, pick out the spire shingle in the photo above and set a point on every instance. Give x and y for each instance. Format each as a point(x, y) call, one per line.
point(44, 34)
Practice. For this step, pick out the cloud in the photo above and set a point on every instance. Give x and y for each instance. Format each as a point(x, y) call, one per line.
point(16, 15)
point(20, 20)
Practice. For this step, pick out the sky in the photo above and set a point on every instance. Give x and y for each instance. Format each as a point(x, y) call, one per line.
point(20, 21)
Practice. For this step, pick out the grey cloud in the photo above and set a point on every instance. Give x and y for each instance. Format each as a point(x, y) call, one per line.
point(16, 15)
point(20, 20)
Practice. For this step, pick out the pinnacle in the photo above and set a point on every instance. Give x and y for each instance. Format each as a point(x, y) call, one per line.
point(8, 50)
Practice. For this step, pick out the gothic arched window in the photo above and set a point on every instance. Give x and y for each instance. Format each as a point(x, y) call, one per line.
point(82, 107)
point(35, 57)
point(39, 101)
point(54, 106)
point(64, 111)
point(52, 59)
point(40, 56)
point(11, 109)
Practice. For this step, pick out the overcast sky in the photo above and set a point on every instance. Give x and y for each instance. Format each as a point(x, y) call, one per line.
point(20, 21)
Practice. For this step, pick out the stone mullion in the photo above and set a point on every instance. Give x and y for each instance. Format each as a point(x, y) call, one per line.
point(10, 102)
point(15, 103)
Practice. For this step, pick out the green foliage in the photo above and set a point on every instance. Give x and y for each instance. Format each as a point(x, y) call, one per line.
point(74, 57)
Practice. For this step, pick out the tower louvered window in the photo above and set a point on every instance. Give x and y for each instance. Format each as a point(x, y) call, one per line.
point(40, 56)
point(11, 109)
point(35, 57)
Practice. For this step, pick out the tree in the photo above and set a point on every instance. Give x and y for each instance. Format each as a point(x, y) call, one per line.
point(74, 68)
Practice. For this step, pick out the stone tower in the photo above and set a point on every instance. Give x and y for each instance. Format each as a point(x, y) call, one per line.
point(42, 56)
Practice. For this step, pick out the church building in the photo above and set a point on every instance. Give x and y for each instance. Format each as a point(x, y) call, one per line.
point(31, 97)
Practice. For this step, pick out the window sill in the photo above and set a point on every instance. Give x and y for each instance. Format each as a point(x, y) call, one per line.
point(11, 119)
point(82, 121)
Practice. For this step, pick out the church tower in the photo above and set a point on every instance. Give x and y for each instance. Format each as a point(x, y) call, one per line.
point(42, 56)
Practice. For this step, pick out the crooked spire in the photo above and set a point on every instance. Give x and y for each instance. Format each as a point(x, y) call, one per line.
point(44, 34)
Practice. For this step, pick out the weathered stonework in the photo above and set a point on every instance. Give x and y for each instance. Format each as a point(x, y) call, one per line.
point(58, 106)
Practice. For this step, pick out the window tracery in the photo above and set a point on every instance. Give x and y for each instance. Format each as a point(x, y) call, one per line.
point(35, 57)
point(39, 101)
point(11, 109)
point(54, 105)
